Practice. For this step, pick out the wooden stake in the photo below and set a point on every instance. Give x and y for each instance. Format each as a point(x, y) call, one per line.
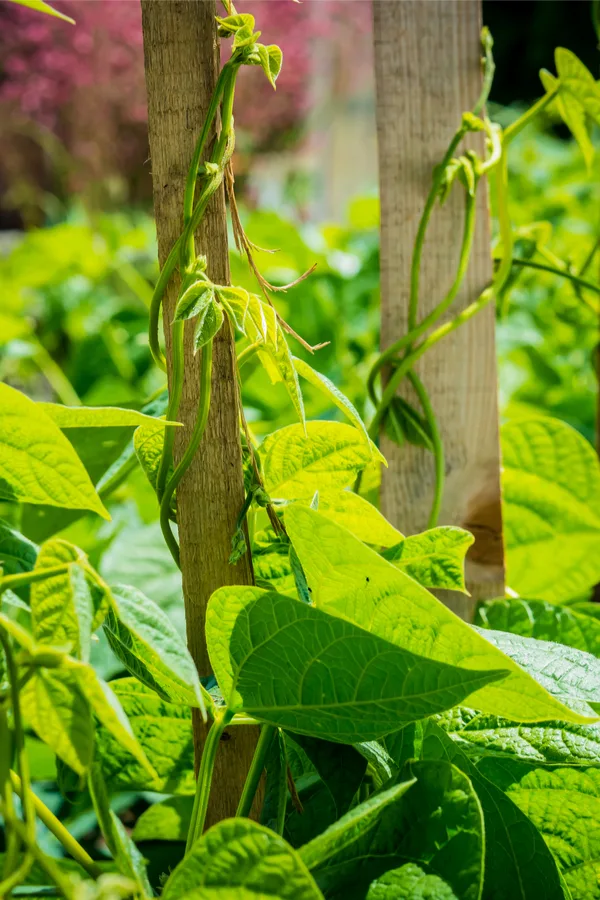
point(181, 57)
point(427, 64)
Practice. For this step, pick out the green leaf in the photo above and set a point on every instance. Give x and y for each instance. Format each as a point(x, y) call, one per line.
point(54, 706)
point(168, 820)
point(61, 606)
point(124, 852)
point(517, 862)
point(231, 24)
point(40, 6)
point(573, 115)
point(564, 804)
point(571, 676)
point(194, 300)
point(108, 710)
point(239, 854)
point(143, 638)
point(409, 881)
point(208, 325)
point(433, 818)
point(349, 580)
point(327, 778)
point(148, 442)
point(359, 516)
point(291, 665)
point(333, 393)
point(328, 457)
point(577, 80)
point(544, 621)
point(478, 735)
point(37, 462)
point(67, 417)
point(551, 487)
point(270, 59)
point(436, 558)
point(278, 362)
point(274, 571)
point(17, 553)
point(164, 731)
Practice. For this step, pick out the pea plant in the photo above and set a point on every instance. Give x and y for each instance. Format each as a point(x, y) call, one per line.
point(405, 753)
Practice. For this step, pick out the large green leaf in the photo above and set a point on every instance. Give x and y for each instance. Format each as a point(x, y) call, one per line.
point(238, 854)
point(436, 558)
point(108, 710)
point(333, 393)
point(544, 621)
point(573, 115)
point(61, 606)
point(409, 881)
point(564, 804)
point(54, 706)
point(99, 417)
point(349, 580)
point(168, 820)
point(576, 79)
point(478, 734)
point(164, 731)
point(517, 862)
point(327, 778)
point(328, 457)
point(288, 664)
point(571, 676)
point(17, 553)
point(435, 821)
point(359, 516)
point(551, 489)
point(37, 462)
point(143, 638)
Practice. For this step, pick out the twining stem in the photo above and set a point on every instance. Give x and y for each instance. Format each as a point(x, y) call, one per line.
point(415, 333)
point(194, 443)
point(207, 766)
point(267, 733)
point(415, 269)
point(11, 852)
point(561, 273)
point(59, 831)
point(438, 447)
point(19, 737)
point(177, 361)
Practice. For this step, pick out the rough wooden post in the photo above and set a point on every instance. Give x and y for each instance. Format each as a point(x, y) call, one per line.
point(181, 58)
point(427, 64)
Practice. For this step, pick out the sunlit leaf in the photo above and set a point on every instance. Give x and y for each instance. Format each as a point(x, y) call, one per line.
point(436, 558)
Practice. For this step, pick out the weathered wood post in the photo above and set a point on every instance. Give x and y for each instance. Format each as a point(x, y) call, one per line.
point(182, 58)
point(428, 71)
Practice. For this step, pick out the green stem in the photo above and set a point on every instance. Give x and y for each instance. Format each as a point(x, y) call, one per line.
point(415, 269)
point(59, 831)
point(561, 273)
point(19, 875)
point(438, 447)
point(207, 767)
point(190, 452)
point(267, 733)
point(11, 853)
point(589, 258)
point(247, 352)
point(62, 881)
point(177, 364)
point(55, 376)
point(156, 303)
point(13, 582)
point(415, 333)
point(513, 130)
point(19, 737)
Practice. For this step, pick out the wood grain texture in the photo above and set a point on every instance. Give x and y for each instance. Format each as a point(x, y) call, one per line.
point(181, 59)
point(427, 65)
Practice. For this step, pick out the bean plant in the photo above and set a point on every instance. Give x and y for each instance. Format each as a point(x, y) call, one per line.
point(404, 752)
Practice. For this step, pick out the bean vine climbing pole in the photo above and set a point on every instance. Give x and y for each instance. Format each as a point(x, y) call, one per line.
point(182, 67)
point(428, 71)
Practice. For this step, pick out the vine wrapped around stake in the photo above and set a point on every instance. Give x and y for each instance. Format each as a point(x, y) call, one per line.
point(402, 421)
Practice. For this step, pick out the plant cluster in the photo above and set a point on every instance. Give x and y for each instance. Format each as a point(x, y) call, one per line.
point(407, 753)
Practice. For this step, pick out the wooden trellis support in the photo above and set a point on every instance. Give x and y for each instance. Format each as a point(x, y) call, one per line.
point(427, 61)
